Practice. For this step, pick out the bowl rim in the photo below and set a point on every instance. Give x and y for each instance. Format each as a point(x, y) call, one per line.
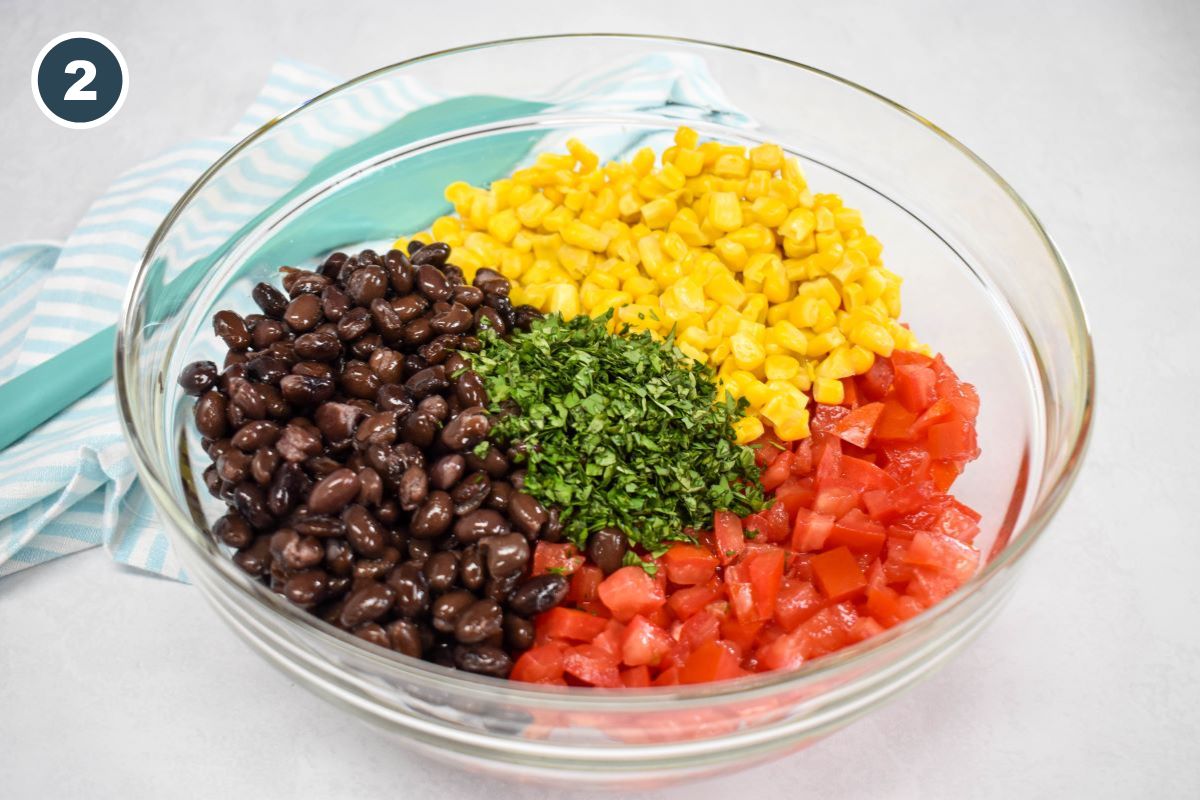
point(1046, 502)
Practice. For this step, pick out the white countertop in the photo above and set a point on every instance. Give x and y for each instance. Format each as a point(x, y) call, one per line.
point(115, 684)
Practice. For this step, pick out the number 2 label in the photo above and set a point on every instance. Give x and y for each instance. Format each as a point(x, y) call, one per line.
point(79, 90)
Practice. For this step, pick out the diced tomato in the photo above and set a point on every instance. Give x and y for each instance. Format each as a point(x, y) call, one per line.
point(836, 500)
point(825, 417)
point(877, 381)
point(778, 472)
point(953, 440)
point(837, 574)
point(592, 665)
point(766, 574)
point(561, 558)
point(688, 564)
point(864, 628)
point(858, 532)
point(636, 677)
point(539, 664)
point(811, 530)
point(767, 448)
point(896, 423)
point(795, 493)
point(828, 456)
point(741, 634)
point(958, 521)
point(901, 358)
point(630, 591)
point(668, 677)
point(797, 601)
point(584, 584)
point(644, 643)
point(858, 426)
point(741, 592)
point(712, 661)
point(940, 411)
point(929, 586)
point(688, 601)
point(945, 554)
point(827, 630)
point(802, 464)
point(568, 623)
point(916, 387)
point(727, 535)
point(850, 393)
point(906, 464)
point(944, 474)
point(865, 475)
point(777, 523)
point(610, 639)
point(699, 629)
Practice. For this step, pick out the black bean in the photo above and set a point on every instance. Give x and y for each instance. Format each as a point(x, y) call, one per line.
point(307, 588)
point(413, 488)
point(434, 253)
point(333, 492)
point(467, 429)
point(248, 500)
point(417, 332)
point(527, 514)
point(377, 429)
point(506, 554)
point(446, 471)
point(306, 389)
point(481, 620)
point(233, 530)
point(518, 632)
point(538, 594)
point(483, 659)
point(365, 534)
point(305, 282)
point(233, 466)
point(355, 323)
point(468, 388)
point(400, 271)
point(269, 299)
point(393, 397)
point(318, 346)
point(374, 633)
point(256, 557)
point(367, 604)
point(470, 493)
point(210, 413)
point(553, 532)
point(405, 637)
point(232, 330)
point(472, 570)
point(333, 264)
point(524, 316)
point(480, 523)
point(266, 368)
point(388, 365)
point(263, 465)
point(370, 492)
point(606, 548)
point(410, 307)
point(337, 421)
point(448, 608)
point(254, 435)
point(427, 381)
point(456, 318)
point(303, 313)
point(267, 334)
point(419, 429)
point(357, 380)
point(286, 488)
point(432, 519)
point(319, 525)
point(441, 570)
point(367, 284)
point(500, 496)
point(494, 463)
point(198, 377)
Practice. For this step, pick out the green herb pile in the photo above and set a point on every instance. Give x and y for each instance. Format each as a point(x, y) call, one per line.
point(618, 430)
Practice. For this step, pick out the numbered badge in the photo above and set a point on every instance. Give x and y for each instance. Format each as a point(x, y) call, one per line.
point(80, 80)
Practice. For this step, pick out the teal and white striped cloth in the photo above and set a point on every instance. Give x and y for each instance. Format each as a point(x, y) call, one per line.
point(71, 485)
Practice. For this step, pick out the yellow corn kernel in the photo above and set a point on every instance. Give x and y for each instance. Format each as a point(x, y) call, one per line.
point(799, 224)
point(824, 219)
point(563, 298)
point(794, 428)
point(584, 236)
point(873, 337)
point(781, 368)
point(746, 351)
point(731, 165)
point(725, 211)
point(698, 338)
point(861, 359)
point(689, 162)
point(674, 246)
point(790, 337)
point(823, 343)
point(643, 161)
point(756, 308)
point(747, 429)
point(694, 353)
point(828, 391)
point(638, 285)
point(781, 408)
point(725, 289)
point(659, 213)
point(721, 352)
point(504, 225)
point(756, 392)
point(732, 253)
point(767, 156)
point(776, 286)
point(686, 137)
point(769, 211)
point(724, 322)
point(837, 364)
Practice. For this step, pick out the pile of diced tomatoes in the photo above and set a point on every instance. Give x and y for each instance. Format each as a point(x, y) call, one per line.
point(861, 535)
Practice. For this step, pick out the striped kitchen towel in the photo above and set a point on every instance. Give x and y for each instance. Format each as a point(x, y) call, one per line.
point(71, 485)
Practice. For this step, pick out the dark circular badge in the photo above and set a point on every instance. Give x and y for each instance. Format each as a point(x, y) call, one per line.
point(80, 80)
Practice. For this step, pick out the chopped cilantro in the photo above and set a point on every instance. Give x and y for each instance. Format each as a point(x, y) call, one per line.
point(619, 430)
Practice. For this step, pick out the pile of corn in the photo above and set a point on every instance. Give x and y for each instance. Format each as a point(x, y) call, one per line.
point(780, 289)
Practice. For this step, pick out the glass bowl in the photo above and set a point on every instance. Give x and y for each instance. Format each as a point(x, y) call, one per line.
point(367, 161)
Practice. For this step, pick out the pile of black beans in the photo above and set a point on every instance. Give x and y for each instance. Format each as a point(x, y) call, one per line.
point(344, 428)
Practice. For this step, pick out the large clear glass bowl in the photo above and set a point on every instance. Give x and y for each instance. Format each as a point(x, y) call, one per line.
point(984, 285)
